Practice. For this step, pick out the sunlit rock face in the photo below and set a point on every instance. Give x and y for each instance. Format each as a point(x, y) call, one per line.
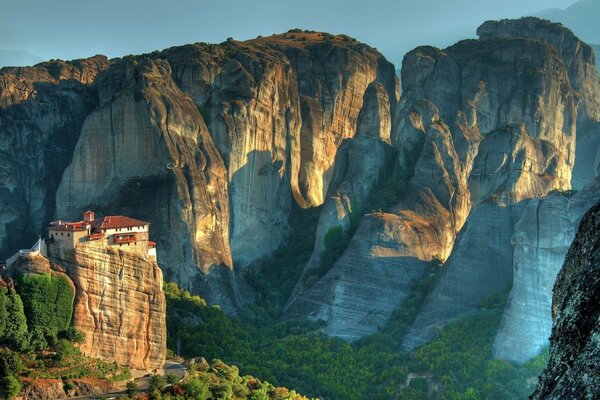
point(212, 143)
point(145, 151)
point(42, 109)
point(119, 303)
point(572, 370)
point(361, 162)
point(488, 124)
point(280, 107)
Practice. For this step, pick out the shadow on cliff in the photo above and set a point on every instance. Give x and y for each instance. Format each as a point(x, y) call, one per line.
point(260, 201)
point(37, 161)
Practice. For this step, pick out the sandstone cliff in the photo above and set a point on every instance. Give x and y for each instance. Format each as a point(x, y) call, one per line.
point(145, 150)
point(482, 123)
point(213, 143)
point(42, 109)
point(279, 108)
point(572, 370)
point(119, 302)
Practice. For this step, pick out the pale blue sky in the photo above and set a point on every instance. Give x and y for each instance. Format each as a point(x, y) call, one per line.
point(70, 29)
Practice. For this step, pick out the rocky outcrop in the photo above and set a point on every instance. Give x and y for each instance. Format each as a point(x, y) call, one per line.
point(572, 370)
point(42, 109)
point(279, 108)
point(52, 389)
point(361, 162)
point(119, 303)
point(213, 143)
point(541, 240)
point(580, 61)
point(43, 389)
point(146, 151)
point(479, 122)
point(480, 266)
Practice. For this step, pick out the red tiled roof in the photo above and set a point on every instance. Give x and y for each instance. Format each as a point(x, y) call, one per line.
point(117, 221)
point(68, 226)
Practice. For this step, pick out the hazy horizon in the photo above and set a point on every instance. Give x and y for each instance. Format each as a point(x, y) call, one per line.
point(69, 29)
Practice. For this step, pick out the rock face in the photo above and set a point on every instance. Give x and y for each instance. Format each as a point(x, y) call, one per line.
point(361, 162)
point(119, 306)
point(580, 60)
point(279, 108)
point(541, 240)
point(119, 302)
point(489, 124)
point(146, 150)
point(572, 370)
point(512, 165)
point(42, 109)
point(213, 143)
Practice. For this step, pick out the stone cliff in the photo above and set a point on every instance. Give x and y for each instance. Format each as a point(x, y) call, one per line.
point(540, 241)
point(42, 109)
point(279, 107)
point(485, 124)
point(580, 61)
point(213, 143)
point(119, 302)
point(572, 370)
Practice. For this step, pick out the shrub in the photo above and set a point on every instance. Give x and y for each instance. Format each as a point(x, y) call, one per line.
point(10, 362)
point(132, 388)
point(157, 383)
point(10, 387)
point(47, 300)
point(73, 335)
point(13, 323)
point(196, 389)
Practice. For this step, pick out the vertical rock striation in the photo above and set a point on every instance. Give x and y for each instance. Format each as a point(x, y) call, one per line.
point(279, 108)
point(541, 240)
point(119, 303)
point(485, 124)
point(572, 370)
point(146, 151)
point(42, 109)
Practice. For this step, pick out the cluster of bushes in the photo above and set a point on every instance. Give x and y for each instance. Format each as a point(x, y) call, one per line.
point(294, 354)
point(36, 336)
point(216, 380)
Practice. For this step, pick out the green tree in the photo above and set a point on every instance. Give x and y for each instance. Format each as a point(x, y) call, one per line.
point(172, 379)
point(15, 328)
point(48, 301)
point(132, 388)
point(10, 362)
point(73, 335)
point(11, 387)
point(196, 389)
point(157, 382)
point(64, 350)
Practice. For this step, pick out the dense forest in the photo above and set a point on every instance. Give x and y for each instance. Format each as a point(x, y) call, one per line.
point(456, 365)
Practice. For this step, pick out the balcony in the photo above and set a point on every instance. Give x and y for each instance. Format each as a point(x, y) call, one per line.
point(95, 236)
point(121, 239)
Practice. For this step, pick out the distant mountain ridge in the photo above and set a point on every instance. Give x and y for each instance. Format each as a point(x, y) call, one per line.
point(18, 58)
point(581, 17)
